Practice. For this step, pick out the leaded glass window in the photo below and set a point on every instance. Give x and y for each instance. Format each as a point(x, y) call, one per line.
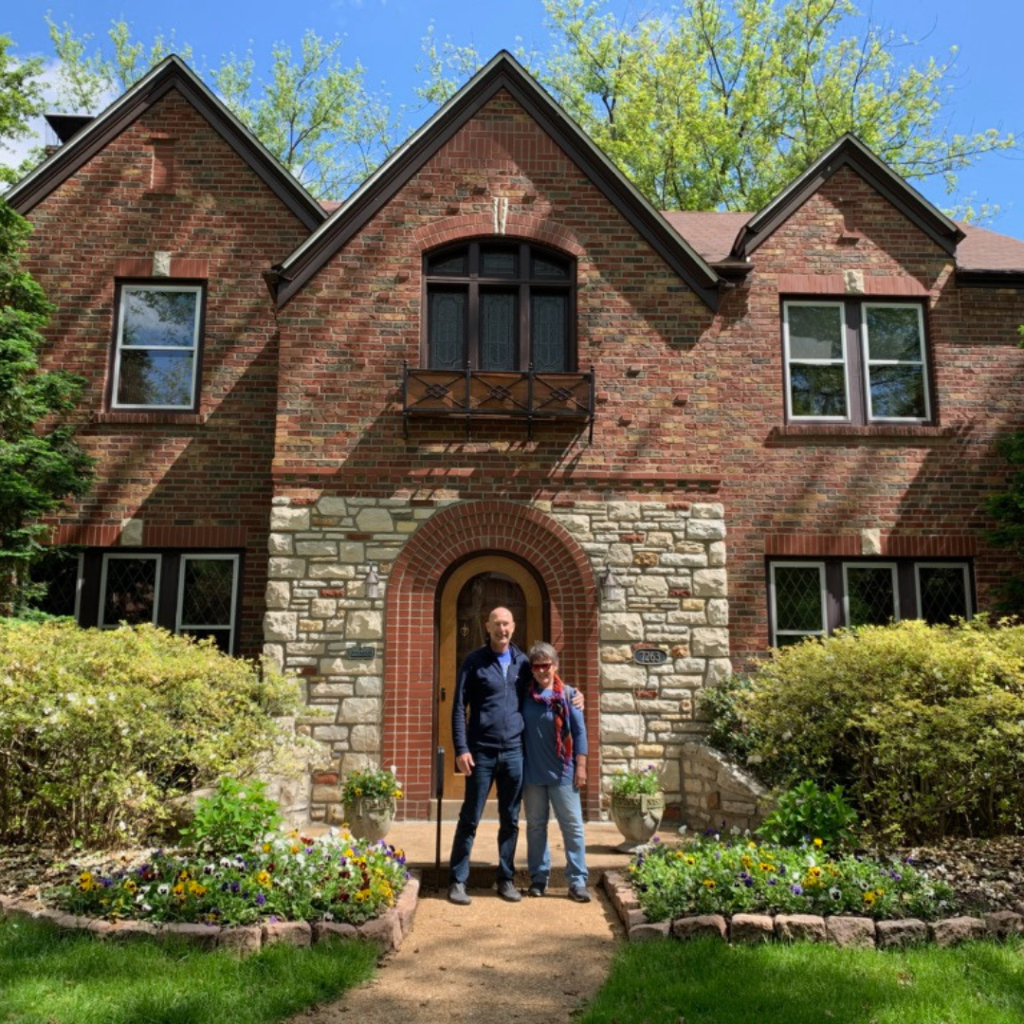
point(943, 593)
point(871, 596)
point(129, 588)
point(206, 597)
point(499, 306)
point(798, 601)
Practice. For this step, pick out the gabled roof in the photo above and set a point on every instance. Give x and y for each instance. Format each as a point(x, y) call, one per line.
point(849, 151)
point(171, 73)
point(503, 72)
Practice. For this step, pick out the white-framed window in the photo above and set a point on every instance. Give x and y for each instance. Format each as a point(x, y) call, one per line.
point(812, 597)
point(207, 597)
point(156, 351)
point(797, 595)
point(855, 362)
point(129, 589)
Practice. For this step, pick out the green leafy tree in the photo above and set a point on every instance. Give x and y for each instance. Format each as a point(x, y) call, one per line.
point(20, 99)
point(41, 465)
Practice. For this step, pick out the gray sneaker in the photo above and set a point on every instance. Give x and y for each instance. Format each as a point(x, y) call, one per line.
point(457, 894)
point(580, 893)
point(507, 891)
point(536, 890)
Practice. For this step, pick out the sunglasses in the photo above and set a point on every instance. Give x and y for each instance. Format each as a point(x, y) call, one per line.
point(541, 664)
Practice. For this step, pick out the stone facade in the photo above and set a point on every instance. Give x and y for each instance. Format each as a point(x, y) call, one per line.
point(668, 593)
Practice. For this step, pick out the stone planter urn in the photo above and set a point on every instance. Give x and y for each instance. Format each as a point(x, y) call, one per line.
point(370, 817)
point(637, 815)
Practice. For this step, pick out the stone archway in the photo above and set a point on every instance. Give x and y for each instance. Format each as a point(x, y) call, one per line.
point(450, 536)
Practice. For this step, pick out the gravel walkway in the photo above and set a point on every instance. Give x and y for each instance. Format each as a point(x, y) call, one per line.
point(532, 962)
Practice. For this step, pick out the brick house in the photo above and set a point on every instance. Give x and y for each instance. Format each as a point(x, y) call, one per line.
point(495, 374)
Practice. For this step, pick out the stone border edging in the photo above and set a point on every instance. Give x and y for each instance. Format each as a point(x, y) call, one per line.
point(388, 930)
point(841, 931)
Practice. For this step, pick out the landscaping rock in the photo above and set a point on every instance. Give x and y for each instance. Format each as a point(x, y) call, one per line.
point(295, 933)
point(241, 940)
point(751, 929)
point(800, 928)
point(634, 918)
point(954, 930)
point(202, 935)
point(703, 924)
point(1003, 923)
point(326, 931)
point(850, 931)
point(906, 931)
point(385, 930)
point(646, 931)
point(123, 930)
point(407, 901)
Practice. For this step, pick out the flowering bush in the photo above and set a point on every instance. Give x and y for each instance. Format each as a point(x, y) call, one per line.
point(103, 728)
point(640, 780)
point(711, 876)
point(375, 783)
point(287, 876)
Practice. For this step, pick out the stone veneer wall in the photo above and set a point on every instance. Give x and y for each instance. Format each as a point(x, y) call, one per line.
point(670, 592)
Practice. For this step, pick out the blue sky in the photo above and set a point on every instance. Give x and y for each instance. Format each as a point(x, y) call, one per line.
point(385, 35)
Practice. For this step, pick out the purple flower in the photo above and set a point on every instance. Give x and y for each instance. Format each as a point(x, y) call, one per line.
point(797, 890)
point(772, 880)
point(260, 899)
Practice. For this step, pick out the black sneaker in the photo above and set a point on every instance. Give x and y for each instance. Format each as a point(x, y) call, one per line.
point(507, 891)
point(580, 893)
point(536, 890)
point(457, 894)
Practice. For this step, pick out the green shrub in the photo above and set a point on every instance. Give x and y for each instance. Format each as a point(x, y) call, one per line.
point(721, 705)
point(922, 725)
point(806, 814)
point(100, 729)
point(233, 820)
point(739, 876)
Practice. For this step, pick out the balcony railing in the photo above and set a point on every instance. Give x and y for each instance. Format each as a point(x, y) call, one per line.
point(490, 394)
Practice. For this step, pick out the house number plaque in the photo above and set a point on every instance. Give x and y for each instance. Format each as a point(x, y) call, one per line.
point(361, 653)
point(650, 656)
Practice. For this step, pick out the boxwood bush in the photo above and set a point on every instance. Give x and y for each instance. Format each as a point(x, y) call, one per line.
point(101, 729)
point(922, 725)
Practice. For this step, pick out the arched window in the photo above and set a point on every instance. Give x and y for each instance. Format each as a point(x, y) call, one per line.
point(499, 305)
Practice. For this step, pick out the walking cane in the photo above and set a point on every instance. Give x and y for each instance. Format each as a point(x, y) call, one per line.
point(439, 793)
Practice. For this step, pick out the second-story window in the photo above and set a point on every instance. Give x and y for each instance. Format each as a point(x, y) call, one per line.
point(499, 306)
point(855, 362)
point(156, 351)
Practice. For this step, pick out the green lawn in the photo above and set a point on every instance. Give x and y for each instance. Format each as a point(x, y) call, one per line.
point(709, 982)
point(52, 977)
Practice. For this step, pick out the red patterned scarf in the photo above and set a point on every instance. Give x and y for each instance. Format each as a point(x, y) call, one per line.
point(558, 704)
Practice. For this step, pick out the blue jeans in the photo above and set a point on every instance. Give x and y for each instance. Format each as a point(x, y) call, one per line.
point(565, 801)
point(505, 770)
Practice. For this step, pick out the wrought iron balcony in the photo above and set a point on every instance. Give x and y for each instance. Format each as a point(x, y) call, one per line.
point(490, 394)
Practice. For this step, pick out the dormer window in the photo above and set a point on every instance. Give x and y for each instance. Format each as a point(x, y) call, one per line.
point(499, 306)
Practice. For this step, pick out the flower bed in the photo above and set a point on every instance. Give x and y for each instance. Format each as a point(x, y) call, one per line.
point(334, 877)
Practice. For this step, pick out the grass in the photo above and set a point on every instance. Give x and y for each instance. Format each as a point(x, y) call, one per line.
point(53, 977)
point(709, 982)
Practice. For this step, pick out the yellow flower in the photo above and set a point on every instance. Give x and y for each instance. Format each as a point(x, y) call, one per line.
point(130, 885)
point(764, 866)
point(709, 882)
point(263, 879)
point(817, 842)
point(869, 897)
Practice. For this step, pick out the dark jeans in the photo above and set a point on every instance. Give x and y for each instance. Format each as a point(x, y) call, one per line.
point(505, 770)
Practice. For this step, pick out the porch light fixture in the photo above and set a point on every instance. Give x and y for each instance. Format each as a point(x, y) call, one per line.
point(607, 584)
point(372, 581)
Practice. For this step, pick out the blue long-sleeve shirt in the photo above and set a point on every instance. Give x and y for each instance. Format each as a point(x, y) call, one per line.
point(495, 721)
point(543, 765)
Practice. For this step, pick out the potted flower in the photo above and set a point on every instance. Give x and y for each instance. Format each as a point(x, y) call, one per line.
point(637, 803)
point(370, 796)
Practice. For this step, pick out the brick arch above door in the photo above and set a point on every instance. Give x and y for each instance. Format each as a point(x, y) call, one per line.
point(447, 538)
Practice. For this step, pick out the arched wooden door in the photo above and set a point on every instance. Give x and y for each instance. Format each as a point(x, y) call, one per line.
point(467, 598)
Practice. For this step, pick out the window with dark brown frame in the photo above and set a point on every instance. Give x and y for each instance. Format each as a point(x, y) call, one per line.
point(813, 597)
point(191, 592)
point(157, 339)
point(499, 305)
point(855, 362)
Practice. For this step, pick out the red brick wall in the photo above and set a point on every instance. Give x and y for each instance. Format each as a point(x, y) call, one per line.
point(194, 480)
